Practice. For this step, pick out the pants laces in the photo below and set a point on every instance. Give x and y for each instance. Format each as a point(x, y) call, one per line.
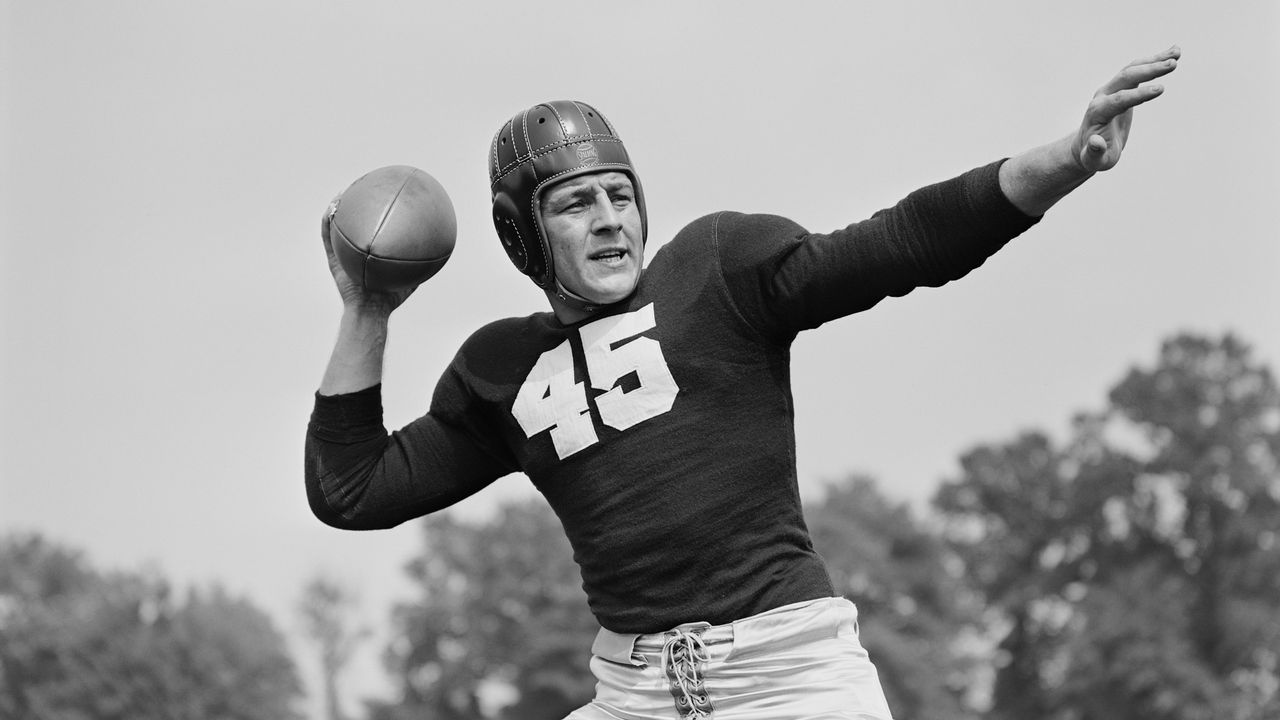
point(683, 656)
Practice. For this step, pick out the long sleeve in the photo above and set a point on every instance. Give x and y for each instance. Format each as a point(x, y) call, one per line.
point(787, 279)
point(360, 477)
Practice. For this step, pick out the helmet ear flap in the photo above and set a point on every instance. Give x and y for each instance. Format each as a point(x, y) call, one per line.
point(520, 241)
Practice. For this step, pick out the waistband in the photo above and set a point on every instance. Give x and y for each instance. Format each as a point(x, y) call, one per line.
point(793, 619)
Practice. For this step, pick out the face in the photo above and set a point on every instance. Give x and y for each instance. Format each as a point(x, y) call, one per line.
point(593, 225)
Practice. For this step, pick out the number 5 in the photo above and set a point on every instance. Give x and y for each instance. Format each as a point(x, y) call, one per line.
point(607, 365)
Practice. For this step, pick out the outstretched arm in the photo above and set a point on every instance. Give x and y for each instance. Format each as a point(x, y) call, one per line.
point(1038, 178)
point(933, 236)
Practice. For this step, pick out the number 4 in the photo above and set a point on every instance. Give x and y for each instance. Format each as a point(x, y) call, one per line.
point(549, 399)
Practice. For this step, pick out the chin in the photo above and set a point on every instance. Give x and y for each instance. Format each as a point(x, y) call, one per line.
point(615, 290)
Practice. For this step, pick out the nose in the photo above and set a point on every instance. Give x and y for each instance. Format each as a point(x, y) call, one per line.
point(606, 218)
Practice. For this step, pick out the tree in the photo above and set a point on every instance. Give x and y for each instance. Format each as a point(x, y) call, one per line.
point(76, 643)
point(324, 608)
point(1142, 579)
point(910, 596)
point(500, 607)
point(231, 661)
point(1212, 501)
point(1024, 518)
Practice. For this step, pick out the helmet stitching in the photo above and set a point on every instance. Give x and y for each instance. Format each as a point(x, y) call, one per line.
point(608, 125)
point(583, 113)
point(524, 127)
point(610, 135)
point(519, 239)
point(548, 268)
point(493, 150)
point(504, 171)
point(564, 130)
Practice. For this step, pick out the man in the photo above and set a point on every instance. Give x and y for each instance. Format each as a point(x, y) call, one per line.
point(653, 409)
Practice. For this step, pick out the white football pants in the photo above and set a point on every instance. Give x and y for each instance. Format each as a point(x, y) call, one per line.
point(797, 662)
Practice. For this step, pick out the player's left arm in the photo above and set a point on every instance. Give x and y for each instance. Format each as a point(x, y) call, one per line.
point(936, 234)
point(1038, 178)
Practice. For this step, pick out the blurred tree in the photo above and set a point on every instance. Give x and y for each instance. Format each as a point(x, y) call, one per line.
point(325, 608)
point(1136, 574)
point(501, 614)
point(78, 644)
point(231, 661)
point(911, 598)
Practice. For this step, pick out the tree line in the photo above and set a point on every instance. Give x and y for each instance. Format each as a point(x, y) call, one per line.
point(1130, 569)
point(80, 644)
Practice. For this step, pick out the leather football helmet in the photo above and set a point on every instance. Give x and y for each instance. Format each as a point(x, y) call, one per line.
point(545, 144)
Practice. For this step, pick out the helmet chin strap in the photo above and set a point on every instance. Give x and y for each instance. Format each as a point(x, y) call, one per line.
point(577, 302)
point(574, 300)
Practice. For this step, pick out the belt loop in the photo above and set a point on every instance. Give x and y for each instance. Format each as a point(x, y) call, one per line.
point(617, 647)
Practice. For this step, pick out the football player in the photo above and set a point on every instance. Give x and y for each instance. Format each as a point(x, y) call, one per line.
point(652, 407)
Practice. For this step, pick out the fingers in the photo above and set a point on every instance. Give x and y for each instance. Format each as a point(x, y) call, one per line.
point(1132, 86)
point(1134, 75)
point(1096, 145)
point(1173, 53)
point(1094, 153)
point(1144, 70)
point(1108, 119)
point(1106, 107)
point(326, 219)
point(1099, 154)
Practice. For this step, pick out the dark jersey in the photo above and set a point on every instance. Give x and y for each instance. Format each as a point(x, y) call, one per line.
point(661, 430)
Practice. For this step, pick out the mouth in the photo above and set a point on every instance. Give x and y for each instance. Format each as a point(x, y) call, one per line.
point(609, 256)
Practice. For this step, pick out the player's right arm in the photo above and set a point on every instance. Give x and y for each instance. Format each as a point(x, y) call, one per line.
point(356, 361)
point(359, 476)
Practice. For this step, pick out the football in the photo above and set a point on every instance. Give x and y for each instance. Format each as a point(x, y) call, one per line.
point(393, 228)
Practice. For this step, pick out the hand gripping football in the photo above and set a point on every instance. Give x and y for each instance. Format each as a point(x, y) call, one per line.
point(393, 228)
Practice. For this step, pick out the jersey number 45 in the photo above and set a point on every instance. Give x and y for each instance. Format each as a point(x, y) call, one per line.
point(551, 399)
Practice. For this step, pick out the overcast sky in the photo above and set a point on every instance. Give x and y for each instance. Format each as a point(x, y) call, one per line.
point(166, 311)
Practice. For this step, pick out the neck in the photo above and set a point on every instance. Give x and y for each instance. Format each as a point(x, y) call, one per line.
point(568, 310)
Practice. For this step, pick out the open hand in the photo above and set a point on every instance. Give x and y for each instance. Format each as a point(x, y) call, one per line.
point(1102, 135)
